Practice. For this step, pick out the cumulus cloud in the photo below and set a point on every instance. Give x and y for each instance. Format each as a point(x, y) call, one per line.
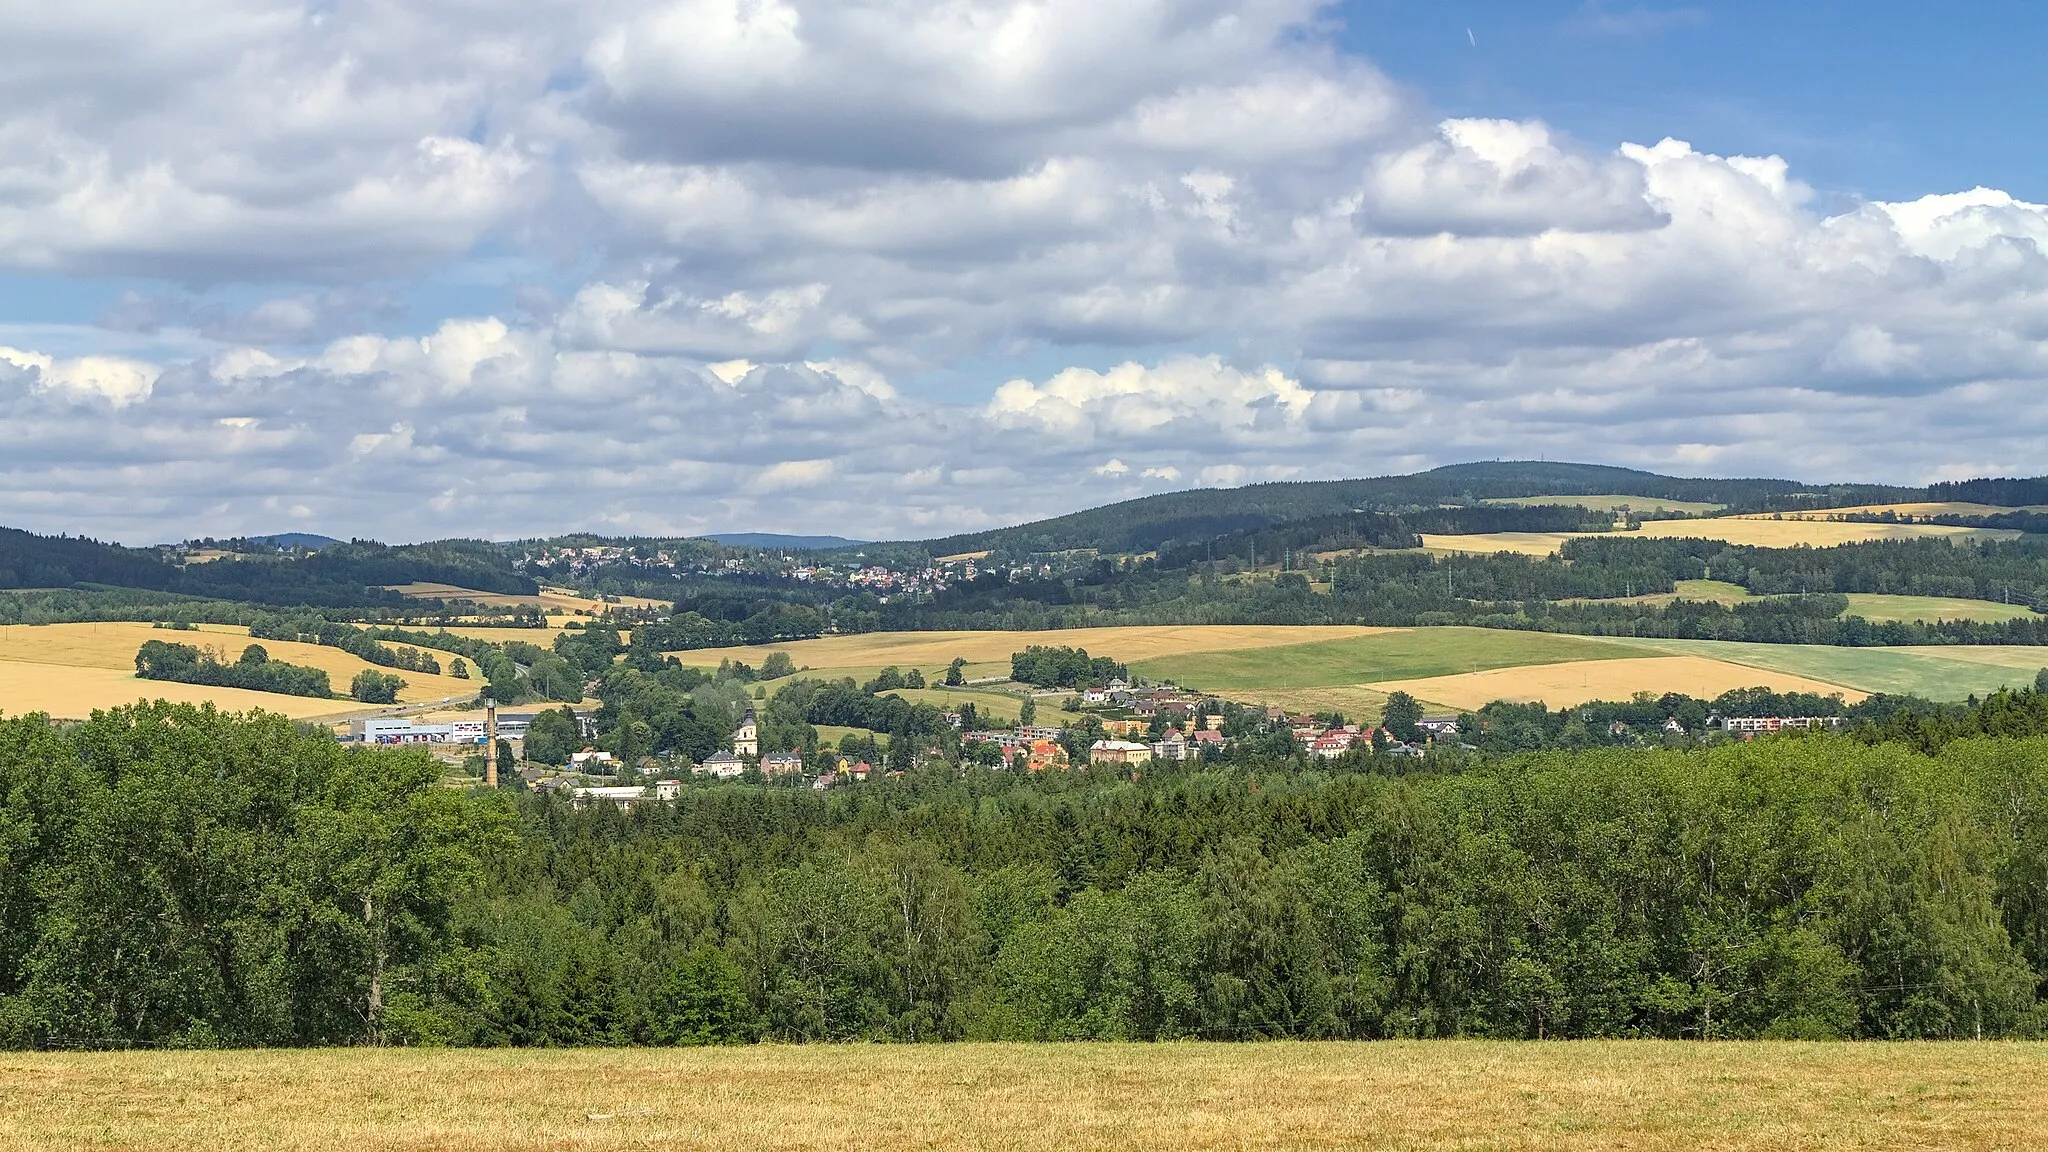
point(880, 266)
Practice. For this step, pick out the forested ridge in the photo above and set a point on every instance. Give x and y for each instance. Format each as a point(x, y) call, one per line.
point(172, 876)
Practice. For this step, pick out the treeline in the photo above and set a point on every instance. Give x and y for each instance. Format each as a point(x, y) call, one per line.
point(340, 576)
point(181, 878)
point(254, 670)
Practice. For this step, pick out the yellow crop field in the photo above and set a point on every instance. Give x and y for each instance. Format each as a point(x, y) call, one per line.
point(1488, 543)
point(1760, 533)
point(73, 693)
point(1903, 511)
point(928, 650)
point(1413, 1096)
point(70, 669)
point(1576, 682)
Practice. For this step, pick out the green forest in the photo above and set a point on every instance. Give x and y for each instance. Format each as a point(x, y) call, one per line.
point(178, 877)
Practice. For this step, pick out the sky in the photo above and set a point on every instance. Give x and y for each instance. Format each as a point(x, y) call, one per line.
point(888, 269)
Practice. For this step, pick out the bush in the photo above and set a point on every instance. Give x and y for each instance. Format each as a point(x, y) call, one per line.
point(256, 671)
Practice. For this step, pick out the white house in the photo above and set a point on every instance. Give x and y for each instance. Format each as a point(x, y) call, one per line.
point(722, 765)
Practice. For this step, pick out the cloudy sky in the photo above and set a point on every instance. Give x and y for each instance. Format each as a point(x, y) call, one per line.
point(893, 268)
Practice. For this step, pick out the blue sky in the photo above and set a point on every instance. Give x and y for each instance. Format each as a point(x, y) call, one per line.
point(892, 267)
point(1878, 98)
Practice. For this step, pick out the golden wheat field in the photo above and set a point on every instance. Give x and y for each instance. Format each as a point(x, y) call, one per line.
point(1903, 511)
point(556, 601)
point(1761, 533)
point(1612, 503)
point(1423, 1095)
point(926, 650)
point(68, 670)
point(1576, 682)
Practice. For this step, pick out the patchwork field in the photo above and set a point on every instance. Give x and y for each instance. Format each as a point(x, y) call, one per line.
point(68, 670)
point(929, 650)
point(1577, 681)
point(1790, 532)
point(1405, 1095)
point(554, 600)
point(1613, 503)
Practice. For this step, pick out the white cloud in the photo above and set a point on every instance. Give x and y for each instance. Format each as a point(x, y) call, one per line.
point(879, 266)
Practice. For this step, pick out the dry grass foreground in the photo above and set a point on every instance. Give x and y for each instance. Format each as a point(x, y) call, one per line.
point(68, 670)
point(1576, 682)
point(1393, 1095)
point(937, 649)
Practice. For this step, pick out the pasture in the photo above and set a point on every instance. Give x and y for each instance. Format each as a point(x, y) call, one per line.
point(1659, 1096)
point(68, 670)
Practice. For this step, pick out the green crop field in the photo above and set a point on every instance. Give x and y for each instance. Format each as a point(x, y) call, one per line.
point(1424, 1096)
point(1918, 671)
point(1872, 606)
point(1405, 654)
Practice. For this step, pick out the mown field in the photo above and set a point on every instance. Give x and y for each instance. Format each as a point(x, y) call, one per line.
point(68, 670)
point(1430, 1095)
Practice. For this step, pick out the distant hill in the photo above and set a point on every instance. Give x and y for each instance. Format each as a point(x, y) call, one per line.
point(779, 540)
point(286, 541)
point(1182, 517)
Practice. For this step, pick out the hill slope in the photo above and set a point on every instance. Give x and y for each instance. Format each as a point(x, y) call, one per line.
point(1151, 521)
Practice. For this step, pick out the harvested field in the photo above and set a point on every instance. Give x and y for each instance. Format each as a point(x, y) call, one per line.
point(1407, 1095)
point(1563, 685)
point(74, 693)
point(927, 650)
point(70, 669)
point(1650, 504)
point(1488, 543)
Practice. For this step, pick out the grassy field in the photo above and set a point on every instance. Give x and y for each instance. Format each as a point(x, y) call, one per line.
point(1869, 605)
point(1872, 606)
point(68, 670)
point(988, 653)
point(1937, 673)
point(1650, 504)
point(1575, 682)
point(1397, 654)
point(1425, 1096)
